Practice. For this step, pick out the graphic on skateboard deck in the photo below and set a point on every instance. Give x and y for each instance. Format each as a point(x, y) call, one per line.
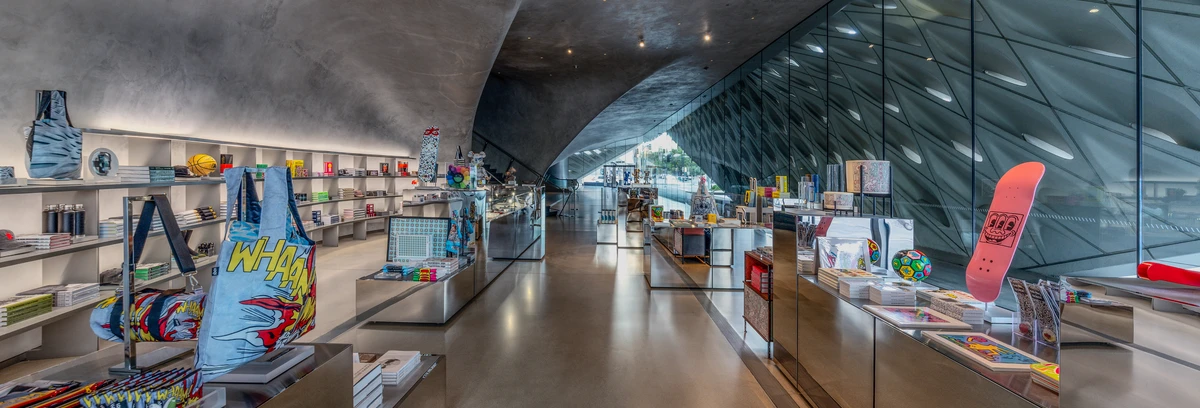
point(1002, 230)
point(1162, 272)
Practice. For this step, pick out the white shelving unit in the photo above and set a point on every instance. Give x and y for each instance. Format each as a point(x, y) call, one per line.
point(65, 331)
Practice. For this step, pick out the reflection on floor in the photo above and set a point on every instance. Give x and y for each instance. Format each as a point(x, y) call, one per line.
point(580, 328)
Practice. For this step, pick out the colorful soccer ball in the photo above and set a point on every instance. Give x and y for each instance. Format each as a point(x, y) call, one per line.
point(912, 265)
point(873, 248)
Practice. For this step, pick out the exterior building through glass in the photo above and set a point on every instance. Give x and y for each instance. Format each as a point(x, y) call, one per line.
point(954, 96)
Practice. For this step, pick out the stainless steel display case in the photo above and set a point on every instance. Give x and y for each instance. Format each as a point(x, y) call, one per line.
point(838, 354)
point(508, 225)
point(322, 380)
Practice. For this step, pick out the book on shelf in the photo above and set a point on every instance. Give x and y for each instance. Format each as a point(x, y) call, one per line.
point(397, 364)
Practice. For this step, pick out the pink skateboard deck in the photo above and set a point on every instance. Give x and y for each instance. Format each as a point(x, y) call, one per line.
point(1002, 230)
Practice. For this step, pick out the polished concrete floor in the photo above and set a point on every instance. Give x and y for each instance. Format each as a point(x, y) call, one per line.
point(580, 328)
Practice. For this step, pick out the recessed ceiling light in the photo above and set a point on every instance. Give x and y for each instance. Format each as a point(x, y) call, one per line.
point(1094, 11)
point(911, 155)
point(966, 151)
point(1005, 78)
point(939, 94)
point(528, 38)
point(1049, 148)
point(641, 42)
point(707, 37)
point(569, 52)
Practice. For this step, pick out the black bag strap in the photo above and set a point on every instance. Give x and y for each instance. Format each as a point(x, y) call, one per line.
point(174, 236)
point(156, 309)
point(114, 318)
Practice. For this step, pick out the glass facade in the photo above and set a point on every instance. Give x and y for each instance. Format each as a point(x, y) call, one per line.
point(954, 93)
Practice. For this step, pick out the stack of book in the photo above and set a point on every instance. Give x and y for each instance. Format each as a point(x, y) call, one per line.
point(45, 241)
point(955, 295)
point(348, 214)
point(360, 172)
point(397, 364)
point(375, 193)
point(833, 277)
point(892, 295)
point(1045, 374)
point(317, 219)
point(368, 385)
point(149, 271)
point(67, 294)
point(964, 312)
point(346, 192)
point(146, 174)
point(185, 218)
point(16, 309)
point(320, 196)
point(360, 213)
point(111, 228)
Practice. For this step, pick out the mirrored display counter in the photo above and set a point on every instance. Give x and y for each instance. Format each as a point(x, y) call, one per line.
point(468, 237)
point(321, 380)
point(839, 354)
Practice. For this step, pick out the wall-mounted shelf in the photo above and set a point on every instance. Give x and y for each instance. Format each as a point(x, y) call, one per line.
point(161, 136)
point(342, 200)
point(83, 246)
point(60, 313)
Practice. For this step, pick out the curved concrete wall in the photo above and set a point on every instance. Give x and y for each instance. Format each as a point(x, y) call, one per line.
point(361, 76)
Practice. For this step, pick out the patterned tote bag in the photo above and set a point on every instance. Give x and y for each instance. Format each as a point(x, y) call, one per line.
point(53, 149)
point(263, 295)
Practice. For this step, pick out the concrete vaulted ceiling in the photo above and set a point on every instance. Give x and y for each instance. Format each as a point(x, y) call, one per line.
point(571, 76)
point(360, 76)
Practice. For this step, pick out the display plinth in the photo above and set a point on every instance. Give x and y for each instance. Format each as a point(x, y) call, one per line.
point(267, 367)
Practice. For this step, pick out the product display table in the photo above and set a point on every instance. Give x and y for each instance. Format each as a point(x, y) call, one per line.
point(847, 354)
point(322, 380)
point(425, 386)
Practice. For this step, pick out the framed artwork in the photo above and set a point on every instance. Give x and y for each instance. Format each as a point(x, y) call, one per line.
point(985, 350)
point(910, 317)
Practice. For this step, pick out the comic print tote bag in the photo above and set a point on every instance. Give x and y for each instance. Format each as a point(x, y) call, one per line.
point(263, 295)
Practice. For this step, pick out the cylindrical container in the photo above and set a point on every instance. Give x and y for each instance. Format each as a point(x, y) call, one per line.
point(839, 201)
point(66, 219)
point(50, 219)
point(874, 176)
point(80, 221)
point(834, 178)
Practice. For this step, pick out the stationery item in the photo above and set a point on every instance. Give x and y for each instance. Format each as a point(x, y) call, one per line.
point(1045, 374)
point(16, 309)
point(958, 311)
point(8, 175)
point(1002, 229)
point(869, 176)
point(397, 364)
point(1028, 318)
point(226, 162)
point(911, 317)
point(1047, 315)
point(53, 148)
point(427, 168)
point(984, 350)
point(833, 277)
point(838, 201)
point(892, 295)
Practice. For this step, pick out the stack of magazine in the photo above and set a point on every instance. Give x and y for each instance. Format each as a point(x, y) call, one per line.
point(16, 309)
point(67, 295)
point(368, 385)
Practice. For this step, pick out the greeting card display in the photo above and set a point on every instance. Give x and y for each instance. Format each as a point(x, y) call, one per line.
point(985, 350)
point(909, 317)
point(842, 253)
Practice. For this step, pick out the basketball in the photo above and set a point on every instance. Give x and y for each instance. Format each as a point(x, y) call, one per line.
point(201, 164)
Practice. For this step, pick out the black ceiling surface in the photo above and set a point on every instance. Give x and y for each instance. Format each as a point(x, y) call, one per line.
point(571, 75)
